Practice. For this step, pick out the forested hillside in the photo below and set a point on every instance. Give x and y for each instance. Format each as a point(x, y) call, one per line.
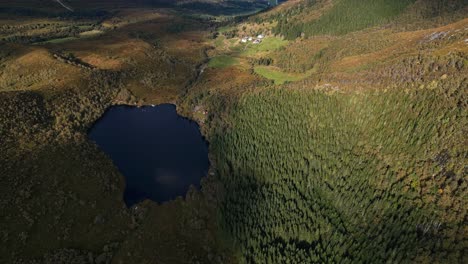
point(355, 153)
point(319, 177)
point(343, 16)
point(337, 134)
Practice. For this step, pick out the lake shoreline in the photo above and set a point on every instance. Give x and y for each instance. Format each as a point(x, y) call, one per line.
point(159, 153)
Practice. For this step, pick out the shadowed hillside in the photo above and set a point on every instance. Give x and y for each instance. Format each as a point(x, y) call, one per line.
point(336, 129)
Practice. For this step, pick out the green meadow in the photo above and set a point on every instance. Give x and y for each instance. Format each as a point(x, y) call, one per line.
point(222, 62)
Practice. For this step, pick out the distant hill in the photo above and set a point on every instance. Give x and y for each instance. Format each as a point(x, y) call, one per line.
point(89, 7)
point(106, 3)
point(337, 17)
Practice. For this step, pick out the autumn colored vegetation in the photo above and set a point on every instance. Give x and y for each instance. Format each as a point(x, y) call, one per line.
point(341, 138)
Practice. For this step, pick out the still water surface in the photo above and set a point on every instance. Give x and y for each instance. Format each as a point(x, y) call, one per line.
point(159, 152)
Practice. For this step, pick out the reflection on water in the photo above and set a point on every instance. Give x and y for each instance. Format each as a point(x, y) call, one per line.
point(160, 153)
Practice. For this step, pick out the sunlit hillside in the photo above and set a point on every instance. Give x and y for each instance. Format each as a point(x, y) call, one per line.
point(336, 130)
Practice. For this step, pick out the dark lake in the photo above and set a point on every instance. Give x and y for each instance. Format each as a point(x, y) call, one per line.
point(159, 152)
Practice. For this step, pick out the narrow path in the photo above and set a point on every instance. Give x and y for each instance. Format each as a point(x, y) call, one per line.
point(64, 5)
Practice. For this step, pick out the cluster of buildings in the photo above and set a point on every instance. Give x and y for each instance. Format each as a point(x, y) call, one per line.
point(256, 40)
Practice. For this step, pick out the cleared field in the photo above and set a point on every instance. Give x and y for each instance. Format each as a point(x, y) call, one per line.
point(278, 76)
point(58, 40)
point(219, 42)
point(222, 62)
point(268, 44)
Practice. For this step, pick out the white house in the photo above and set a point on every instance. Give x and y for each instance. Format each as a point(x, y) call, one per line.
point(261, 36)
point(250, 38)
point(244, 40)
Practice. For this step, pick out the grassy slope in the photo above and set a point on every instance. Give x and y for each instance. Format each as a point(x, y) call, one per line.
point(268, 44)
point(222, 62)
point(277, 76)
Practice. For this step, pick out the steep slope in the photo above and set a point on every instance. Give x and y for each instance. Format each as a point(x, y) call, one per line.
point(308, 18)
point(360, 156)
